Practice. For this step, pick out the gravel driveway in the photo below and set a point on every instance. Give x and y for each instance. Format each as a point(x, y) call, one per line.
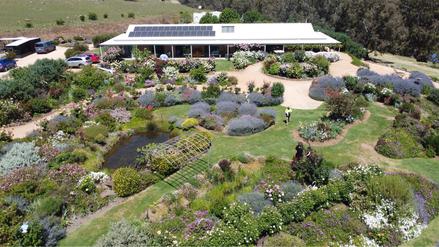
point(31, 59)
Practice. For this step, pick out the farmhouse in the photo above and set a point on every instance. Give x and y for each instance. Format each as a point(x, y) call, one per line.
point(217, 40)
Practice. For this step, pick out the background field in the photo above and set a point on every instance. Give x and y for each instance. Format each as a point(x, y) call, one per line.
point(406, 63)
point(44, 13)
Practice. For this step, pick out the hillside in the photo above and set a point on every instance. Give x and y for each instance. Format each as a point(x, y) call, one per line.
point(43, 14)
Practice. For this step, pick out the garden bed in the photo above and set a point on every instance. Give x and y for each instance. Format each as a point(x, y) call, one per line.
point(336, 140)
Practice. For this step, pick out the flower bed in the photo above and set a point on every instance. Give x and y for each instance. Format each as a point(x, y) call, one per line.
point(321, 130)
point(299, 64)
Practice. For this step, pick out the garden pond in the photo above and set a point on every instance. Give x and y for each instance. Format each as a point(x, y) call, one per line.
point(124, 153)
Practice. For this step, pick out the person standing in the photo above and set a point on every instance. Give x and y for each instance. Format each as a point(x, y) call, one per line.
point(288, 113)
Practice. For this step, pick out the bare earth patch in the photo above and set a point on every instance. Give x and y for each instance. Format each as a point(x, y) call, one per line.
point(334, 141)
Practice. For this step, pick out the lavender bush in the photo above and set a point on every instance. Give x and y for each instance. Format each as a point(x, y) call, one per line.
point(148, 99)
point(226, 107)
point(172, 99)
point(421, 79)
point(245, 125)
point(190, 95)
point(212, 122)
point(268, 112)
point(247, 109)
point(255, 200)
point(199, 109)
point(264, 100)
point(226, 96)
point(321, 85)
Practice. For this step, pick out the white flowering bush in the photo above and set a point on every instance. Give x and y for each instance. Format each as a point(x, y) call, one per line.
point(242, 59)
point(331, 56)
point(321, 130)
point(410, 227)
point(170, 73)
point(379, 218)
point(20, 155)
point(386, 92)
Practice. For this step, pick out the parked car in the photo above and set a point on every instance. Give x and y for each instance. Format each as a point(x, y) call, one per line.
point(7, 64)
point(94, 57)
point(44, 47)
point(78, 61)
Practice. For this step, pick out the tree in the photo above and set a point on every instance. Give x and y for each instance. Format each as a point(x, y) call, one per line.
point(252, 16)
point(229, 15)
point(185, 17)
point(208, 18)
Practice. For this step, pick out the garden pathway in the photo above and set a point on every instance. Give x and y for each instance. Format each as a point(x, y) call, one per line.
point(26, 129)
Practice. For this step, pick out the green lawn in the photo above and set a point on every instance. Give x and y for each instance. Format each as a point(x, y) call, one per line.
point(276, 141)
point(44, 13)
point(223, 65)
point(406, 63)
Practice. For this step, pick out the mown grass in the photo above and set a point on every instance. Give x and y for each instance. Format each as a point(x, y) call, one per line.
point(43, 13)
point(276, 141)
point(223, 65)
point(406, 63)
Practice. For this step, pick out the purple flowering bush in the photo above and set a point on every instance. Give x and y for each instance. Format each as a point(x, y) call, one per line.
point(320, 87)
point(121, 115)
point(245, 125)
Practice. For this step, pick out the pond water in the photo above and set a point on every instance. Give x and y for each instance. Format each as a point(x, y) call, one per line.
point(124, 153)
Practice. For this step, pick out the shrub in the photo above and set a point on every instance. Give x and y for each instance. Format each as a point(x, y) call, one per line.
point(100, 38)
point(284, 239)
point(9, 112)
point(390, 187)
point(90, 78)
point(432, 142)
point(344, 106)
point(274, 69)
point(263, 100)
point(95, 133)
point(421, 79)
point(291, 189)
point(131, 15)
point(92, 16)
point(40, 105)
point(67, 158)
point(245, 125)
point(191, 96)
point(75, 50)
point(189, 123)
point(82, 18)
point(47, 206)
point(226, 96)
point(60, 22)
point(19, 155)
point(127, 181)
point(212, 122)
point(434, 96)
point(399, 144)
point(311, 169)
point(112, 54)
point(270, 221)
point(226, 107)
point(105, 119)
point(143, 113)
point(320, 87)
point(123, 233)
point(148, 99)
point(79, 94)
point(300, 56)
point(255, 200)
point(33, 237)
point(121, 115)
point(198, 74)
point(322, 63)
point(247, 109)
point(277, 90)
point(199, 110)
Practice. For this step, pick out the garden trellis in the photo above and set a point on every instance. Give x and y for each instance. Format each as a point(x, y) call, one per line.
point(183, 150)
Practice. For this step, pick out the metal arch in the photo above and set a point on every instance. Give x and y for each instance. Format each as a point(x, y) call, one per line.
point(187, 148)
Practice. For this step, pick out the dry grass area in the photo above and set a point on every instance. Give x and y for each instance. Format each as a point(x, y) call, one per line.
point(89, 29)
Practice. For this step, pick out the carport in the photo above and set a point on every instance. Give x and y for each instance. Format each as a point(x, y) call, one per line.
point(23, 47)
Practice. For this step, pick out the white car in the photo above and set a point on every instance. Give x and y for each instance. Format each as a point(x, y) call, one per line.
point(78, 61)
point(106, 69)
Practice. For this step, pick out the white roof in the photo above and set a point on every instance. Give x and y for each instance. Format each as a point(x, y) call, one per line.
point(254, 33)
point(21, 41)
point(11, 39)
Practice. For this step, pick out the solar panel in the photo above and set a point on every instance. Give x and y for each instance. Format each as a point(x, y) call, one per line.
point(172, 31)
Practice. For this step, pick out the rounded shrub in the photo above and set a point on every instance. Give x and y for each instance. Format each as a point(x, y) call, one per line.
point(320, 86)
point(245, 125)
point(189, 123)
point(284, 239)
point(127, 181)
point(399, 144)
point(247, 109)
point(277, 90)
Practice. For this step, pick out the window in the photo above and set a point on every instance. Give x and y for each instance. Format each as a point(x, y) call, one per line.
point(228, 29)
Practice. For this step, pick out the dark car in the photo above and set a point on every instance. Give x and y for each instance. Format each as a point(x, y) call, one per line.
point(44, 47)
point(7, 64)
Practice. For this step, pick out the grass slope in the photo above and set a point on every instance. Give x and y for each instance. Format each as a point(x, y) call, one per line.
point(44, 13)
point(406, 63)
point(357, 146)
